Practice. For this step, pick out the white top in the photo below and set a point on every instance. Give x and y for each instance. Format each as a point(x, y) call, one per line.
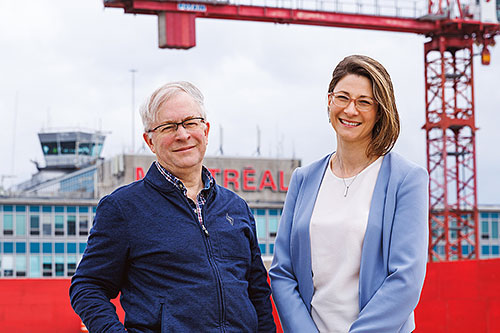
point(337, 230)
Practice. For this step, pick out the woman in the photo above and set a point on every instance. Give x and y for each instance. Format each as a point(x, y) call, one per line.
point(351, 249)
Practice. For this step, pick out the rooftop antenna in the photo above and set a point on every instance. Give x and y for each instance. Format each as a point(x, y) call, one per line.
point(133, 71)
point(221, 142)
point(279, 145)
point(48, 120)
point(258, 141)
point(14, 130)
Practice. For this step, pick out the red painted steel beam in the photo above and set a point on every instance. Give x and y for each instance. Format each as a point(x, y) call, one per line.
point(308, 17)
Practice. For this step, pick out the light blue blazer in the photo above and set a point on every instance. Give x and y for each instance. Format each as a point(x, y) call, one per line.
point(393, 258)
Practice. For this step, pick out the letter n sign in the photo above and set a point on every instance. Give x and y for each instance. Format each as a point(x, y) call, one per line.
point(139, 173)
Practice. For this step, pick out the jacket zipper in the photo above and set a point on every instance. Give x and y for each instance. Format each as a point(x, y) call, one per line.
point(222, 311)
point(208, 246)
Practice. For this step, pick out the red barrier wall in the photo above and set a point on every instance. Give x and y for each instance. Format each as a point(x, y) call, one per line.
point(460, 297)
point(457, 297)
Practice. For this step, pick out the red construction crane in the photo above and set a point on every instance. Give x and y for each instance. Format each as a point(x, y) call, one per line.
point(453, 26)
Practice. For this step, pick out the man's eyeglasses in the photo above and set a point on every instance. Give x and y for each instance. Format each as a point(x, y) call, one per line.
point(191, 125)
point(362, 104)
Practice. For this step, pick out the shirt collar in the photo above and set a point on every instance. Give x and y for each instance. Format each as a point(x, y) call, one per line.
point(206, 176)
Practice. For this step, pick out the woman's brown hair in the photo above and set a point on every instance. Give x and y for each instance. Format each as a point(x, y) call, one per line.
point(387, 127)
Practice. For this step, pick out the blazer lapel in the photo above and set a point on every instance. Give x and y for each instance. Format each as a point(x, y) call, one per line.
point(372, 242)
point(303, 212)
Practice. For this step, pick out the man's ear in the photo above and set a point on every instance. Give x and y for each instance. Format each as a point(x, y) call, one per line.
point(207, 130)
point(149, 141)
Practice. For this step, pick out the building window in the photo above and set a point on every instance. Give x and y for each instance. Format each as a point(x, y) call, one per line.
point(20, 224)
point(20, 265)
point(47, 266)
point(267, 226)
point(71, 225)
point(68, 148)
point(82, 247)
point(71, 265)
point(8, 265)
point(494, 229)
point(47, 224)
point(8, 247)
point(34, 225)
point(84, 225)
point(485, 250)
point(59, 247)
point(59, 265)
point(35, 266)
point(50, 148)
point(34, 247)
point(484, 230)
point(71, 247)
point(261, 226)
point(271, 248)
point(273, 222)
point(47, 248)
point(495, 251)
point(20, 247)
point(8, 226)
point(59, 228)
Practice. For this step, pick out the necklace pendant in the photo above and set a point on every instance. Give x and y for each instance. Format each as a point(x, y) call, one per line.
point(346, 190)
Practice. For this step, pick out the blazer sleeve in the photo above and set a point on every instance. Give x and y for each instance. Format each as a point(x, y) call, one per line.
point(394, 301)
point(293, 312)
point(98, 276)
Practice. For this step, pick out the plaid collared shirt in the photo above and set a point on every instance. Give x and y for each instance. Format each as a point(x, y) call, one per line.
point(208, 181)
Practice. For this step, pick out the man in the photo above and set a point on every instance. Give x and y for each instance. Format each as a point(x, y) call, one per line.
point(181, 249)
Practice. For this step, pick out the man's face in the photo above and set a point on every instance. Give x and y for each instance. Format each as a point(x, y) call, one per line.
point(181, 152)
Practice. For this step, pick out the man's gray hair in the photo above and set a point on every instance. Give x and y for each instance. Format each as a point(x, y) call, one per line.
point(151, 107)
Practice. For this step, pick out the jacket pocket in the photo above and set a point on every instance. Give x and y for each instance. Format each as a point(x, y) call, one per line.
point(234, 243)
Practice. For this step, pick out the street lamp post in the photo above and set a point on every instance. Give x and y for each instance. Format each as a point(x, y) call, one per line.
point(133, 71)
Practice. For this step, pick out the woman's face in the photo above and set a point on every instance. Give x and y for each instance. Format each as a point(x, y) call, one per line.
point(350, 124)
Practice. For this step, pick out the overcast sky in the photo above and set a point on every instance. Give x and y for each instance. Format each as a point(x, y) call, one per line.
point(67, 64)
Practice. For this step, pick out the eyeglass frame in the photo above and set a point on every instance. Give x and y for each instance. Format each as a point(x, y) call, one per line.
point(177, 124)
point(355, 100)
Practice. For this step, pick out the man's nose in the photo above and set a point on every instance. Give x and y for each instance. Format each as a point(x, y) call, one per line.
point(181, 132)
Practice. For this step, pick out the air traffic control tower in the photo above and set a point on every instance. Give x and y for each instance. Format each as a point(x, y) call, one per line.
point(70, 150)
point(65, 152)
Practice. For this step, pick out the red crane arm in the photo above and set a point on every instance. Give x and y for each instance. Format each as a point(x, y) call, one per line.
point(426, 26)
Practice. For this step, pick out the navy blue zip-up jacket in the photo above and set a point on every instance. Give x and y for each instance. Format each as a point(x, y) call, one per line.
point(147, 243)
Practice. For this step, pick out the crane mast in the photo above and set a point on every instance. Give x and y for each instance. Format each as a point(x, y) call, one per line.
point(452, 28)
